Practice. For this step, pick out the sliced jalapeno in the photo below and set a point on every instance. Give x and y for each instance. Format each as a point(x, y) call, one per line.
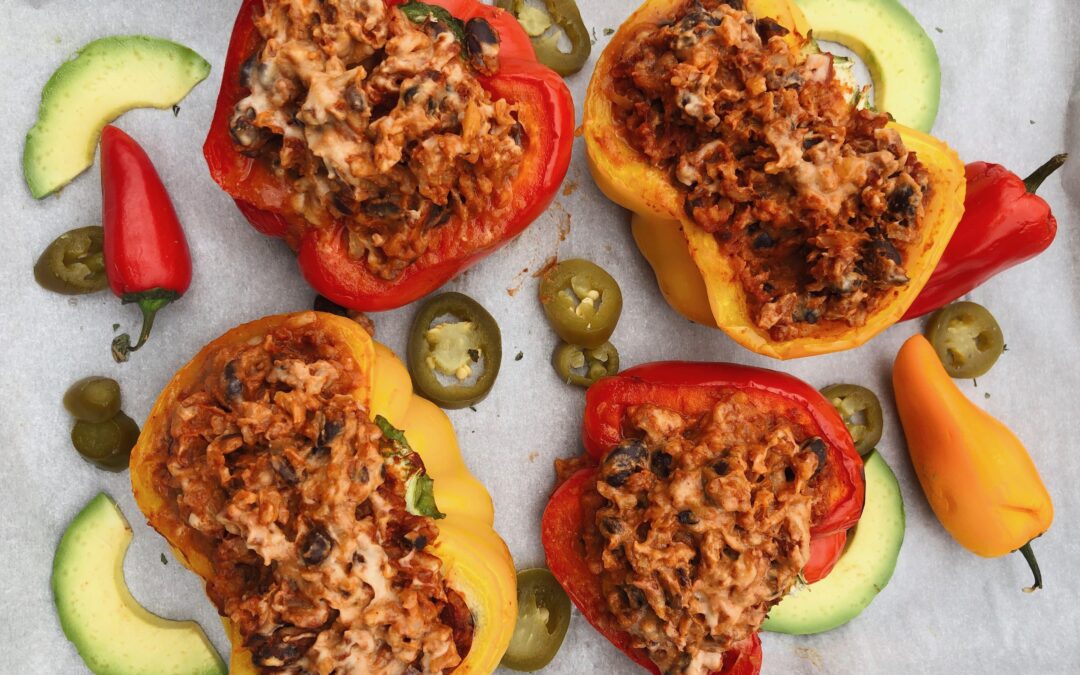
point(861, 411)
point(542, 620)
point(107, 444)
point(93, 399)
point(545, 38)
point(74, 263)
point(967, 339)
point(455, 349)
point(582, 302)
point(582, 366)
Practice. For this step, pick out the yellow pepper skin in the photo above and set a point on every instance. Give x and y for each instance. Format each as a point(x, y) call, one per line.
point(629, 180)
point(475, 560)
point(976, 474)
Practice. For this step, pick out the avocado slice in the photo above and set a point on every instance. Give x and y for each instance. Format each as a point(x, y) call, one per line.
point(105, 79)
point(900, 55)
point(111, 630)
point(864, 568)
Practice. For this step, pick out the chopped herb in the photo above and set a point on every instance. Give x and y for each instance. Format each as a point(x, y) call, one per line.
point(421, 12)
point(394, 435)
point(420, 496)
point(164, 560)
point(986, 395)
point(520, 355)
point(472, 408)
point(975, 382)
point(609, 31)
point(1031, 121)
point(1004, 348)
point(115, 327)
point(176, 111)
point(939, 29)
point(593, 41)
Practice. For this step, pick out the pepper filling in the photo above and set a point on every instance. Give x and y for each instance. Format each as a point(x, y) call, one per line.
point(299, 502)
point(703, 523)
point(815, 201)
point(379, 123)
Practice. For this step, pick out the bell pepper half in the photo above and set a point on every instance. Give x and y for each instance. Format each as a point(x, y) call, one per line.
point(475, 560)
point(694, 274)
point(545, 111)
point(692, 389)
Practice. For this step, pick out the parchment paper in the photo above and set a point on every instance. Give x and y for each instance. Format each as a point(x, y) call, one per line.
point(1010, 94)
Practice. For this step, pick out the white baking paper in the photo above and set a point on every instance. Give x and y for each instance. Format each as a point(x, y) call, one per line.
point(1010, 94)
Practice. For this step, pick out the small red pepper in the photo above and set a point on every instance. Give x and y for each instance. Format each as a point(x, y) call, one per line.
point(692, 389)
point(146, 255)
point(1004, 223)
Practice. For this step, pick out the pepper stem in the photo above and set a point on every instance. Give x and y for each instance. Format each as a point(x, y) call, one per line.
point(1037, 177)
point(149, 303)
point(1029, 556)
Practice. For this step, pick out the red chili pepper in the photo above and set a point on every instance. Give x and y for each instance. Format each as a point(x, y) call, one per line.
point(1004, 223)
point(146, 255)
point(692, 389)
point(545, 110)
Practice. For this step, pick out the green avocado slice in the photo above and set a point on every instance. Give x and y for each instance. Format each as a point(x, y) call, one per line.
point(112, 631)
point(900, 55)
point(863, 570)
point(105, 79)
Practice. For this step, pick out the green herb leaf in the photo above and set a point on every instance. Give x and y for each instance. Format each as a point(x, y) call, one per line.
point(420, 497)
point(394, 435)
point(421, 12)
point(164, 560)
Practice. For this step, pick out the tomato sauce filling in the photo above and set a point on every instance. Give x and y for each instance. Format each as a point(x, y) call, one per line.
point(813, 199)
point(379, 123)
point(702, 523)
point(275, 472)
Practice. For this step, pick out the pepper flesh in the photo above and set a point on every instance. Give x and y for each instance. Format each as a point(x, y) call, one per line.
point(545, 110)
point(475, 559)
point(146, 254)
point(660, 220)
point(1004, 224)
point(976, 474)
point(691, 389)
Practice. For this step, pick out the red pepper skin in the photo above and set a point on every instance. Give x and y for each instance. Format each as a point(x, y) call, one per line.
point(692, 388)
point(147, 259)
point(1004, 224)
point(564, 519)
point(546, 112)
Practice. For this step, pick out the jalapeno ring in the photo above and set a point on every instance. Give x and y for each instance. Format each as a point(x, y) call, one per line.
point(860, 410)
point(582, 366)
point(452, 337)
point(967, 339)
point(74, 263)
point(582, 302)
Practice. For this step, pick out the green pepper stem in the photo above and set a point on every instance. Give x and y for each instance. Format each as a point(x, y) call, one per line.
point(149, 303)
point(1029, 556)
point(1037, 177)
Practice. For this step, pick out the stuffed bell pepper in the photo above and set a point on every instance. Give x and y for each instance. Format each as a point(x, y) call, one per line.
point(706, 491)
point(391, 145)
point(768, 199)
point(327, 508)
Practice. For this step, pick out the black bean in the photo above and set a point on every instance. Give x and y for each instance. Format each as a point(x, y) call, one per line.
point(721, 468)
point(363, 510)
point(420, 542)
point(731, 553)
point(885, 249)
point(316, 546)
point(284, 468)
point(900, 201)
point(818, 447)
point(635, 598)
point(627, 458)
point(683, 575)
point(768, 28)
point(763, 240)
point(661, 464)
point(517, 133)
point(233, 386)
point(409, 94)
point(285, 646)
point(611, 525)
point(789, 474)
point(811, 141)
point(687, 517)
point(247, 70)
point(478, 35)
point(618, 479)
point(329, 432)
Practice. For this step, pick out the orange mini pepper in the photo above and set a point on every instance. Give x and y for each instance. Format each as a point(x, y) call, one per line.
point(975, 472)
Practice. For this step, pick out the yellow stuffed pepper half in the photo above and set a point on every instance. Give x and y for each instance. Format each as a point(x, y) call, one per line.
point(327, 508)
point(719, 187)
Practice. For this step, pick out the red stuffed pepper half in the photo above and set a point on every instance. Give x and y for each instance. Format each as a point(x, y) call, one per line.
point(706, 491)
point(392, 145)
